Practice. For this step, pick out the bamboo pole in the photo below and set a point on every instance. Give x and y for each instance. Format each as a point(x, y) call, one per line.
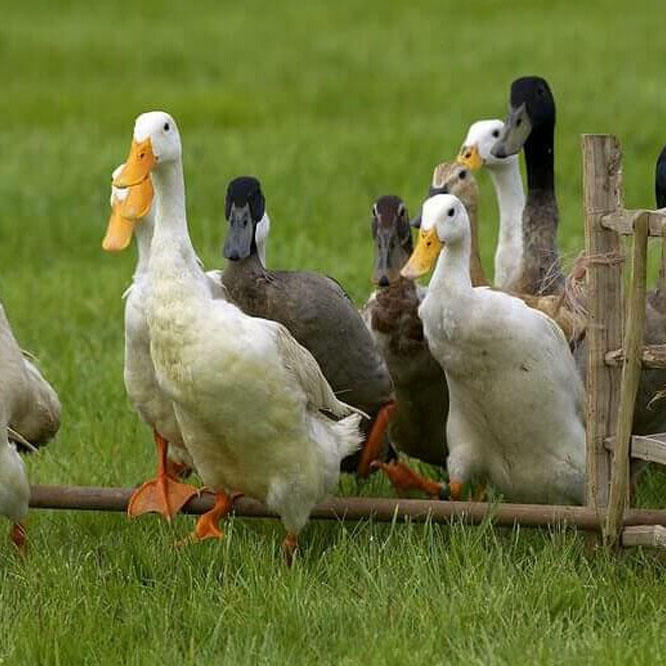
point(81, 498)
point(631, 371)
point(602, 187)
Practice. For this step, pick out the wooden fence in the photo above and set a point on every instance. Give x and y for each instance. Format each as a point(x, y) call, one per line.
point(615, 357)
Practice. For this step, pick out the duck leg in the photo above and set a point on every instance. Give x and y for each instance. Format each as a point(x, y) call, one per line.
point(208, 525)
point(289, 548)
point(456, 489)
point(18, 537)
point(403, 478)
point(178, 470)
point(375, 441)
point(163, 494)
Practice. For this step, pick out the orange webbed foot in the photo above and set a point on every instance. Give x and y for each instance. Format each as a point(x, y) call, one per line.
point(403, 478)
point(207, 526)
point(162, 495)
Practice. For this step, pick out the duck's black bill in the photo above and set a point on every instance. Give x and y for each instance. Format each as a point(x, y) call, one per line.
point(239, 243)
point(517, 128)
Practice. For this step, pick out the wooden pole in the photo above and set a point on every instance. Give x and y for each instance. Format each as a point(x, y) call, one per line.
point(82, 498)
point(602, 187)
point(631, 372)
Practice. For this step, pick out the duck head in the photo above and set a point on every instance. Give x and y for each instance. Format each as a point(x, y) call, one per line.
point(129, 207)
point(531, 109)
point(444, 221)
point(155, 143)
point(660, 179)
point(249, 224)
point(453, 178)
point(393, 239)
point(476, 149)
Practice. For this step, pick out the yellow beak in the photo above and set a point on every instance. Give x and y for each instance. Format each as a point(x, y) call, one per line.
point(138, 201)
point(118, 231)
point(424, 256)
point(469, 157)
point(138, 165)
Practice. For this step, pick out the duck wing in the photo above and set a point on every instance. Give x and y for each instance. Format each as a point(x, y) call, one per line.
point(305, 371)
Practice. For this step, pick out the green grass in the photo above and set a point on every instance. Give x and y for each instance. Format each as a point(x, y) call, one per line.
point(331, 105)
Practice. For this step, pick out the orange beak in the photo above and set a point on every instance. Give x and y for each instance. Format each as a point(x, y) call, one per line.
point(138, 165)
point(138, 201)
point(469, 157)
point(119, 230)
point(424, 256)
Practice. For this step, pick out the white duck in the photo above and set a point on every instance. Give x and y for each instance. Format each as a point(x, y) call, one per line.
point(505, 174)
point(29, 414)
point(516, 400)
point(248, 398)
point(164, 494)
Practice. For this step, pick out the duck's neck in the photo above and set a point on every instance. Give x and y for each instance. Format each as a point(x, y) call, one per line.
point(475, 268)
point(540, 158)
point(171, 237)
point(451, 275)
point(243, 269)
point(144, 237)
point(510, 200)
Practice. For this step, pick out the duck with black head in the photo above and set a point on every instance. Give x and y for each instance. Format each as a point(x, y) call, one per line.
point(530, 125)
point(317, 312)
point(391, 314)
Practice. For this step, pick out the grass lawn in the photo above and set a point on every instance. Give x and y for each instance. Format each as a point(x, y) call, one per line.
point(331, 104)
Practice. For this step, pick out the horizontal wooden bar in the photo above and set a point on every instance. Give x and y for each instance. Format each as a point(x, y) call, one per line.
point(623, 221)
point(651, 448)
point(654, 356)
point(651, 536)
point(83, 498)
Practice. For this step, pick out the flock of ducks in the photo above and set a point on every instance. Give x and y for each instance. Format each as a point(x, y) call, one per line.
point(271, 383)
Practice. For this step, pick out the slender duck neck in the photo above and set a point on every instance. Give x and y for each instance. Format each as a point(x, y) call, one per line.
point(171, 237)
point(510, 199)
point(451, 276)
point(540, 158)
point(144, 237)
point(478, 277)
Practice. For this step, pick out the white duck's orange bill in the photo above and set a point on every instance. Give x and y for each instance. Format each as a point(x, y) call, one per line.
point(118, 231)
point(138, 165)
point(469, 157)
point(138, 201)
point(424, 256)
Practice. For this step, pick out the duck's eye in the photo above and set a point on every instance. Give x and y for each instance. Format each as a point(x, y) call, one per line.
point(462, 175)
point(142, 155)
point(450, 212)
point(167, 127)
point(495, 134)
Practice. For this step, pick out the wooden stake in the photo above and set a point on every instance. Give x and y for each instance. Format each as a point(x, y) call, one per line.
point(602, 186)
point(631, 372)
point(81, 498)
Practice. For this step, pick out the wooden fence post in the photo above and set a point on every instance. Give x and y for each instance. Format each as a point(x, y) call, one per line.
point(631, 372)
point(602, 192)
